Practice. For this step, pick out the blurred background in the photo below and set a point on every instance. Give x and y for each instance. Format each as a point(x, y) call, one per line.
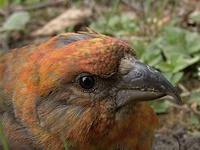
point(165, 34)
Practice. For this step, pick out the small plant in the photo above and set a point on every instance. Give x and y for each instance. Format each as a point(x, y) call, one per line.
point(118, 25)
point(3, 138)
point(173, 51)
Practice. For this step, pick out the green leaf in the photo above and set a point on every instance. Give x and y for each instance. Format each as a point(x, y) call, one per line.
point(64, 141)
point(176, 49)
point(174, 34)
point(165, 67)
point(196, 17)
point(118, 25)
point(152, 56)
point(180, 62)
point(176, 63)
point(167, 75)
point(3, 138)
point(3, 3)
point(174, 78)
point(16, 21)
point(192, 42)
point(160, 106)
point(195, 119)
point(139, 47)
point(194, 98)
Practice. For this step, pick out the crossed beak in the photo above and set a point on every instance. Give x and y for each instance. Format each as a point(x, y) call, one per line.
point(140, 82)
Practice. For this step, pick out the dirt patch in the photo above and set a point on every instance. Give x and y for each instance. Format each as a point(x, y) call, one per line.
point(170, 137)
point(176, 132)
point(173, 142)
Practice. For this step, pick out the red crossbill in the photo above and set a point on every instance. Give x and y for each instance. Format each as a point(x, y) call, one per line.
point(85, 89)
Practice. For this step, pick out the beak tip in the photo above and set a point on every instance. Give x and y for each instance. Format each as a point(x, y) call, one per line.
point(180, 101)
point(176, 96)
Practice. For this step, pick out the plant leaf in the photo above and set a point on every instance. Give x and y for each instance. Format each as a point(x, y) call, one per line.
point(160, 106)
point(3, 3)
point(196, 17)
point(16, 21)
point(192, 42)
point(194, 98)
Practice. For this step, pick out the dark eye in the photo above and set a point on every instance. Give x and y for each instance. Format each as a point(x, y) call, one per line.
point(87, 81)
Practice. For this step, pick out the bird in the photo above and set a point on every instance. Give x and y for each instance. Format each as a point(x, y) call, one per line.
point(79, 91)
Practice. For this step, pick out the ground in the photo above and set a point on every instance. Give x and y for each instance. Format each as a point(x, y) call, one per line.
point(179, 127)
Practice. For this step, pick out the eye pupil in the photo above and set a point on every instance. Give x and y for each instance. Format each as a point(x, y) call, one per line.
point(87, 82)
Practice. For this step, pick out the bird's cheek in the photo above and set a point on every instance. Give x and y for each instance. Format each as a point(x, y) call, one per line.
point(58, 117)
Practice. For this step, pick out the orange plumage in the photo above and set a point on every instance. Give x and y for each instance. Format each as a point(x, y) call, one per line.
point(83, 88)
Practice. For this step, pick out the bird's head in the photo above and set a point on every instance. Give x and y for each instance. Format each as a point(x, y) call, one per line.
point(88, 76)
